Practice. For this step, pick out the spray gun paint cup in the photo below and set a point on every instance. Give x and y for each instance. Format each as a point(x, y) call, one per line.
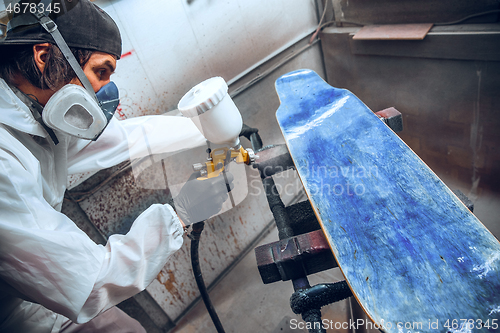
point(213, 111)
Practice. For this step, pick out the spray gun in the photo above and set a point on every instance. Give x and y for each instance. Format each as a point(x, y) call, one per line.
point(210, 107)
point(214, 113)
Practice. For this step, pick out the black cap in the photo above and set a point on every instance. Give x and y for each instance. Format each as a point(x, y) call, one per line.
point(81, 23)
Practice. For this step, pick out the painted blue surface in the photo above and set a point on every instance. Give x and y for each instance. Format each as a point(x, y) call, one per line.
point(410, 250)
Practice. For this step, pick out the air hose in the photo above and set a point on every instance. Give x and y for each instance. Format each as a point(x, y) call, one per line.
point(195, 263)
point(197, 228)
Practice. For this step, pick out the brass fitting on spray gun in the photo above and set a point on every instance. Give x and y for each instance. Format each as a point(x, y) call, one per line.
point(219, 158)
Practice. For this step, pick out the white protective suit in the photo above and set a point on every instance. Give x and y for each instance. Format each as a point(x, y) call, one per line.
point(44, 257)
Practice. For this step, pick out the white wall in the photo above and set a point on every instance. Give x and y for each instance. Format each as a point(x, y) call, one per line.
point(170, 46)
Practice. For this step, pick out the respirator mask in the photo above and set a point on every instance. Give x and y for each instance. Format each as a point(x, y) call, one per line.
point(74, 110)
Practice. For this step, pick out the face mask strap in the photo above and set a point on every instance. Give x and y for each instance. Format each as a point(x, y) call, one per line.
point(51, 28)
point(36, 110)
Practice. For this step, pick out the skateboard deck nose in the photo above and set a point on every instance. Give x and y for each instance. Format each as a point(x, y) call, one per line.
point(307, 89)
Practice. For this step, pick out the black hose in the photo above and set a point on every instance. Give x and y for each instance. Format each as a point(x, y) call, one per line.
point(195, 263)
point(252, 135)
point(277, 207)
point(313, 318)
point(319, 296)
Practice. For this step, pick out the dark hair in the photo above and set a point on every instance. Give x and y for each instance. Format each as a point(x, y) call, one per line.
point(19, 60)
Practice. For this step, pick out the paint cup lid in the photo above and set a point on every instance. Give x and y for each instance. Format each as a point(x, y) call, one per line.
point(203, 97)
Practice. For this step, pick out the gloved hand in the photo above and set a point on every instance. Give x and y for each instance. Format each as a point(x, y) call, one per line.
point(200, 199)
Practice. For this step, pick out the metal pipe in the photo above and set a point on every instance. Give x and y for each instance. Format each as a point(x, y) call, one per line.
point(313, 317)
point(277, 208)
point(273, 198)
point(319, 296)
point(283, 223)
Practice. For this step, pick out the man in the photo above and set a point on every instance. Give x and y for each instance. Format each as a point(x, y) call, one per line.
point(53, 278)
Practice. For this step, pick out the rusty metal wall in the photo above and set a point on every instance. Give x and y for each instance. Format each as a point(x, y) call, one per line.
point(166, 52)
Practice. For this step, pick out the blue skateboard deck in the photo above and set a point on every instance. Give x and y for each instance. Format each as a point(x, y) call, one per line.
point(415, 258)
